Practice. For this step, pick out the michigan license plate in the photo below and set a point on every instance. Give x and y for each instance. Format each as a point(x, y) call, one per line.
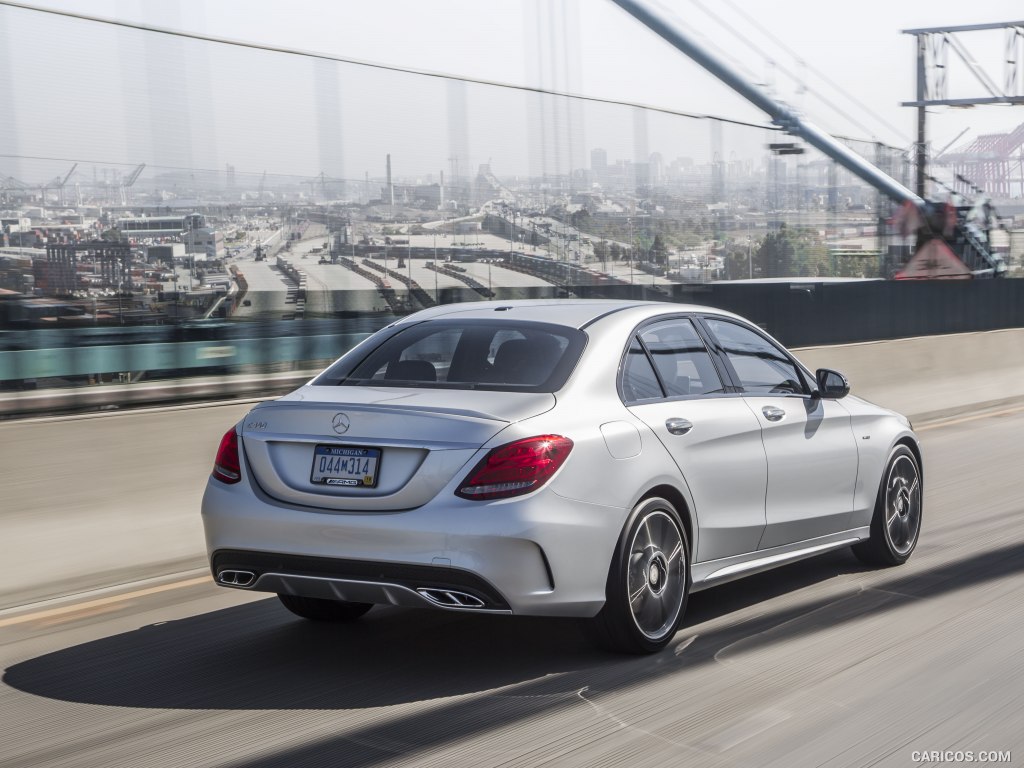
point(345, 465)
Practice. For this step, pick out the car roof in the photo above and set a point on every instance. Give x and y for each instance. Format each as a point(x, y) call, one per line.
point(574, 313)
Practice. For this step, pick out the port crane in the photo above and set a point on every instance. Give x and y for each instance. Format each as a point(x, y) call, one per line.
point(63, 182)
point(11, 184)
point(929, 219)
point(126, 184)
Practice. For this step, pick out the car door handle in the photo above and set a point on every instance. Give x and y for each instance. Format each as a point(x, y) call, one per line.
point(772, 413)
point(678, 426)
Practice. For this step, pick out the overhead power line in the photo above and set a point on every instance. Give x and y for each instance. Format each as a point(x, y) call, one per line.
point(372, 65)
point(824, 78)
point(789, 73)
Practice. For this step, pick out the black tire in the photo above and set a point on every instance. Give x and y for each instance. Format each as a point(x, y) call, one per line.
point(657, 580)
point(317, 609)
point(899, 505)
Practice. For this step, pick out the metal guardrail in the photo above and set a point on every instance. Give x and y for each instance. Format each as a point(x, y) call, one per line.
point(161, 393)
point(168, 357)
point(157, 363)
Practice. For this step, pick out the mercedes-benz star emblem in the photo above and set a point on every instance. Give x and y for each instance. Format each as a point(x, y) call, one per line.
point(341, 423)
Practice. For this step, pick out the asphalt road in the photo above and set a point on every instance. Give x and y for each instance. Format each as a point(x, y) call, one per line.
point(823, 663)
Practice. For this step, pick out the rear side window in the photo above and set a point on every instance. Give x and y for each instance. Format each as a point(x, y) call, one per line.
point(466, 354)
point(683, 362)
point(639, 381)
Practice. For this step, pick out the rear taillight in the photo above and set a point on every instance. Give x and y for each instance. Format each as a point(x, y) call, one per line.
point(516, 468)
point(226, 466)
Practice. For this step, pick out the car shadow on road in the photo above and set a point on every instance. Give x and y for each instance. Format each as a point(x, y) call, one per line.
point(258, 655)
point(487, 671)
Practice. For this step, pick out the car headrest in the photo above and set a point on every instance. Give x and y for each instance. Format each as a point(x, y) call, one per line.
point(526, 361)
point(411, 370)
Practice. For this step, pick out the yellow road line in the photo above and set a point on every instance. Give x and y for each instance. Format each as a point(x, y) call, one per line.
point(87, 612)
point(103, 601)
point(972, 417)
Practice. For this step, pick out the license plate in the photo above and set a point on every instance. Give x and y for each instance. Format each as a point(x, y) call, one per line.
point(345, 465)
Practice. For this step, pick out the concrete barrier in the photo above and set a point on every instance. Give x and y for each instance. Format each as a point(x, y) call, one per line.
point(931, 376)
point(95, 500)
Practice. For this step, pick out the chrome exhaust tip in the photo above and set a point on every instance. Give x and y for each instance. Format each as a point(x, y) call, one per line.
point(236, 578)
point(450, 598)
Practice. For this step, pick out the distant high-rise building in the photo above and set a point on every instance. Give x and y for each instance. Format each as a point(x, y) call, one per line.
point(641, 175)
point(599, 164)
point(390, 197)
point(656, 169)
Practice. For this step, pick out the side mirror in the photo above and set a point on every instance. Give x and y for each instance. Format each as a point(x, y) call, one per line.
point(831, 384)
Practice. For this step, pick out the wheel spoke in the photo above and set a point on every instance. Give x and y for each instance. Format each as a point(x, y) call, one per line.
point(638, 593)
point(647, 529)
point(676, 552)
point(673, 590)
point(663, 609)
point(649, 611)
point(892, 524)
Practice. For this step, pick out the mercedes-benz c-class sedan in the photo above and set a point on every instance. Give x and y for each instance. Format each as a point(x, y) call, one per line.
point(590, 459)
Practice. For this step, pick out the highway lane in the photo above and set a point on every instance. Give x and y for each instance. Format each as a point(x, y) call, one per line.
point(823, 663)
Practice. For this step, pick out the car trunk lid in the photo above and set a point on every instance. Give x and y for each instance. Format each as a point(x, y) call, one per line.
point(418, 438)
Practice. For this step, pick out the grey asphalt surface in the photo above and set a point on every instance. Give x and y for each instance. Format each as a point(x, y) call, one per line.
point(822, 663)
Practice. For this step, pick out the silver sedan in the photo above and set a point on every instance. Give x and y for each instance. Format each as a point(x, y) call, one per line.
point(592, 459)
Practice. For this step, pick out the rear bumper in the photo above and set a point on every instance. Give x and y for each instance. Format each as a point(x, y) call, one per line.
point(357, 581)
point(541, 555)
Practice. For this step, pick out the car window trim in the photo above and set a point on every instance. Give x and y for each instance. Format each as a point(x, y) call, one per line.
point(621, 373)
point(801, 373)
point(718, 356)
point(730, 390)
point(650, 361)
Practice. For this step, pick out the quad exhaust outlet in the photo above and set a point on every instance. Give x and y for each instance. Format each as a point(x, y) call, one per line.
point(236, 578)
point(449, 598)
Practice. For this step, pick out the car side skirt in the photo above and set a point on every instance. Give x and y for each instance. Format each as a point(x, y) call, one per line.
point(715, 572)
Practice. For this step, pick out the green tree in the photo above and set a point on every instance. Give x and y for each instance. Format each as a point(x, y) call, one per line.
point(658, 249)
point(775, 255)
point(793, 252)
point(737, 263)
point(581, 219)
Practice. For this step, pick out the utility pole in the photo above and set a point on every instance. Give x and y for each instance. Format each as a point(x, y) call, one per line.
point(436, 300)
point(631, 251)
point(922, 87)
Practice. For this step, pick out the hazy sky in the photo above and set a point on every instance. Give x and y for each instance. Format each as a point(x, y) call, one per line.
point(93, 92)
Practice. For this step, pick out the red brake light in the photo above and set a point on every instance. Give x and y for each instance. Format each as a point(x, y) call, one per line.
point(226, 467)
point(516, 468)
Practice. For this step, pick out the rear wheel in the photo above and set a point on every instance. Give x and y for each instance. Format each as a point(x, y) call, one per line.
point(897, 520)
point(648, 582)
point(317, 609)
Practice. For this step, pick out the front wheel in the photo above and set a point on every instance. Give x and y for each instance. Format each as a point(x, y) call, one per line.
point(648, 582)
point(896, 524)
point(318, 609)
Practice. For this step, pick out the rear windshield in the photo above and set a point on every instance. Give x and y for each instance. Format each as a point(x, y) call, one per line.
point(517, 356)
